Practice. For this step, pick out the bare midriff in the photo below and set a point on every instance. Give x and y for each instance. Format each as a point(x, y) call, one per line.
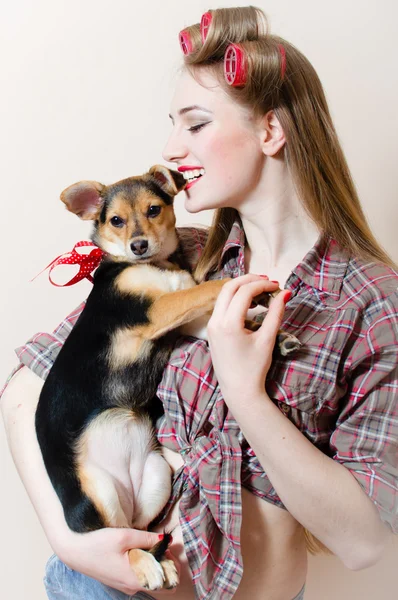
point(273, 550)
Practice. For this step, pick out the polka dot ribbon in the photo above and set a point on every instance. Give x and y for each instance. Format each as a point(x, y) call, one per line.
point(88, 263)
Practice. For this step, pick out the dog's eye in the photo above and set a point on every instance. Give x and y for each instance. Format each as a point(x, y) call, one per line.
point(117, 222)
point(153, 211)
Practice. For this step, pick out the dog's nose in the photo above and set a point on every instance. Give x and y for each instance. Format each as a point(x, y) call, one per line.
point(139, 247)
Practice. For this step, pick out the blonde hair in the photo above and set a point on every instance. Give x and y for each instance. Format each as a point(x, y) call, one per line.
point(312, 150)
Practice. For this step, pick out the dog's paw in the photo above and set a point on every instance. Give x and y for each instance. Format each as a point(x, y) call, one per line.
point(262, 299)
point(252, 325)
point(149, 572)
point(170, 574)
point(287, 343)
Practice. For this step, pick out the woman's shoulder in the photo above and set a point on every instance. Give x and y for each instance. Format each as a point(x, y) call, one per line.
point(193, 239)
point(197, 234)
point(370, 286)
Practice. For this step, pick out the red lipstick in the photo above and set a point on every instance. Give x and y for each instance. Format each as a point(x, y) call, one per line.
point(189, 185)
point(188, 168)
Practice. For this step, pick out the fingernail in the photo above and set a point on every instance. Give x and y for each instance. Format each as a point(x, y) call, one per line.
point(161, 536)
point(171, 539)
point(287, 296)
point(272, 281)
point(264, 276)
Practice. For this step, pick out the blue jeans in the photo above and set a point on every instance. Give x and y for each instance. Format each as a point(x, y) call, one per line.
point(62, 583)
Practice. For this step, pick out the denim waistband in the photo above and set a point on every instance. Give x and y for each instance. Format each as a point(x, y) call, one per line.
point(300, 595)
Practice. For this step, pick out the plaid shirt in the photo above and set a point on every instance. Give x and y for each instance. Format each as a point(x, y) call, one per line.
point(340, 390)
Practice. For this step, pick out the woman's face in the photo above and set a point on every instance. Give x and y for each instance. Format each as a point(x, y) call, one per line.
point(213, 133)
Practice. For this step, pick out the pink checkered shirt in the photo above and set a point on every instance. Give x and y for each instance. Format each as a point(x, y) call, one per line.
point(340, 390)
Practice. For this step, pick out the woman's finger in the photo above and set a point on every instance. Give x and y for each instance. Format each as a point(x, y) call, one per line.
point(272, 322)
point(230, 289)
point(136, 538)
point(242, 300)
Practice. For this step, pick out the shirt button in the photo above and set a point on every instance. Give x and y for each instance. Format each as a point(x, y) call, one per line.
point(285, 408)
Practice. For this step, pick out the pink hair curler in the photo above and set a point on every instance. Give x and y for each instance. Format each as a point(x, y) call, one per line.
point(205, 22)
point(235, 67)
point(283, 60)
point(185, 41)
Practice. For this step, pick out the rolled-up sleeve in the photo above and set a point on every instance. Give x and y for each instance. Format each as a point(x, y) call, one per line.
point(365, 439)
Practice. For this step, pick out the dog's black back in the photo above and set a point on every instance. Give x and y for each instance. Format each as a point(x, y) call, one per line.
point(80, 385)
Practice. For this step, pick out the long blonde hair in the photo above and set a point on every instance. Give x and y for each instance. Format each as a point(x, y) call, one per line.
point(312, 150)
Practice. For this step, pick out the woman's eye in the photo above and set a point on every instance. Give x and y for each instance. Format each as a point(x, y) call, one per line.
point(117, 222)
point(153, 211)
point(196, 128)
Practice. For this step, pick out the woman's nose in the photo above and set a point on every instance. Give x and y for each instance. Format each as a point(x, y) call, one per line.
point(174, 149)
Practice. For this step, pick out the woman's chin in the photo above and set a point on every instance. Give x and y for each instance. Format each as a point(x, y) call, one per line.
point(194, 204)
point(193, 207)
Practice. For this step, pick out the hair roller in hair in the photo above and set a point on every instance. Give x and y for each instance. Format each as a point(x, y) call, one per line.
point(235, 65)
point(283, 60)
point(185, 41)
point(205, 25)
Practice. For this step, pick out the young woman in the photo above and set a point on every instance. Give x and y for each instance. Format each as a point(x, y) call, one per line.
point(258, 469)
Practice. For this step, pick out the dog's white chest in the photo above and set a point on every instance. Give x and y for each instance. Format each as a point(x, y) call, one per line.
point(148, 278)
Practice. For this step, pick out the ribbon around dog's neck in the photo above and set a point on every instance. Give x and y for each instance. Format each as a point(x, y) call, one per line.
point(88, 263)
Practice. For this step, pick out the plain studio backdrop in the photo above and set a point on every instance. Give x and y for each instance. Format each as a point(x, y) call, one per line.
point(85, 92)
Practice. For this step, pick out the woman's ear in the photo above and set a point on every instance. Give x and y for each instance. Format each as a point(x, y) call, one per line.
point(272, 135)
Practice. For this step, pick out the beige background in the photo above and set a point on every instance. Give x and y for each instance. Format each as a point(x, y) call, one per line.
point(85, 87)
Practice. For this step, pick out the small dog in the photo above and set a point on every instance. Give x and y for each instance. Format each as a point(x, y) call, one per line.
point(96, 411)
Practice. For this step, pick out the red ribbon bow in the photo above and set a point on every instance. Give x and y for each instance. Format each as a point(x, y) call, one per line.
point(88, 263)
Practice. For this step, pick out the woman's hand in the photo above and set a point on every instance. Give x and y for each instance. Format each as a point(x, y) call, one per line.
point(242, 358)
point(103, 555)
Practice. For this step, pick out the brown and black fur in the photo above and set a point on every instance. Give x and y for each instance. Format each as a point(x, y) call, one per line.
point(114, 357)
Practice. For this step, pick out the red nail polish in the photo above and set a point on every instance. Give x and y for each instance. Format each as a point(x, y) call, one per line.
point(264, 276)
point(272, 281)
point(171, 539)
point(287, 296)
point(161, 536)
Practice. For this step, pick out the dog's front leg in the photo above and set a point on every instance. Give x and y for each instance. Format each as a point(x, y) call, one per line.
point(176, 308)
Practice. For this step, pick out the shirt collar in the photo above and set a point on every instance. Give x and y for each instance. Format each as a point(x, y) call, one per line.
point(323, 267)
point(236, 239)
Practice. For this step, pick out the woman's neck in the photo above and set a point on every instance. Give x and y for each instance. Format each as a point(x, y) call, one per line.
point(277, 254)
point(279, 232)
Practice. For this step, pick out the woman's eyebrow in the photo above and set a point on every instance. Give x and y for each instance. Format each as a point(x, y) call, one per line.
point(186, 109)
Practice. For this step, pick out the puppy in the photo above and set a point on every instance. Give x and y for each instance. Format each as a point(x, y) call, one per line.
point(97, 408)
point(95, 416)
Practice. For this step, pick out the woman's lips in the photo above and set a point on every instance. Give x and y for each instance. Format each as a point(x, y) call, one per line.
point(189, 185)
point(188, 168)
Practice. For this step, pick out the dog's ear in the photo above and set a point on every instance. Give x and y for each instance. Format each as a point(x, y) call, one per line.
point(170, 181)
point(84, 199)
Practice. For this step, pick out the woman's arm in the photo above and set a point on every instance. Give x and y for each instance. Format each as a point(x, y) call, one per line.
point(18, 407)
point(320, 493)
point(101, 554)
